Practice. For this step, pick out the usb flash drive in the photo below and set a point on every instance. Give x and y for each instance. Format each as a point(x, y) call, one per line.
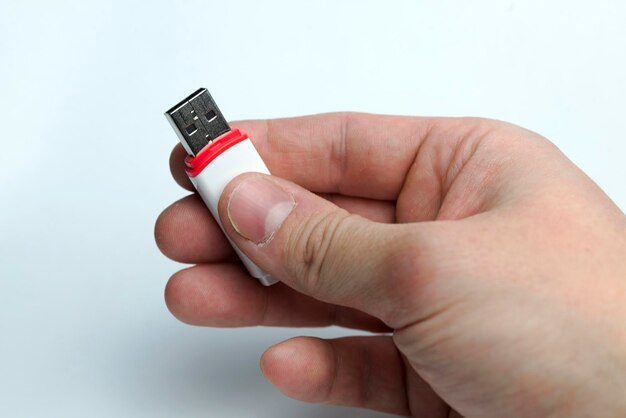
point(216, 155)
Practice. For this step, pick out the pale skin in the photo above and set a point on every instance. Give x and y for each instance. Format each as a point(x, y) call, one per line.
point(490, 269)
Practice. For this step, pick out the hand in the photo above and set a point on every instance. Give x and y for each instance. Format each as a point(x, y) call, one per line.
point(493, 268)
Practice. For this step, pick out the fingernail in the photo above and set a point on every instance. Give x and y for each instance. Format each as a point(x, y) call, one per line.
point(257, 208)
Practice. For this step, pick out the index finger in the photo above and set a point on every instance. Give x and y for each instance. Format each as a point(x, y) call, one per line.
point(354, 154)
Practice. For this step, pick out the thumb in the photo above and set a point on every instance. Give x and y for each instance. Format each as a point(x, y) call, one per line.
point(316, 247)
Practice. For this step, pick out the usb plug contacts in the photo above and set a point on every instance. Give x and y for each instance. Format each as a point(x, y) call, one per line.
point(197, 121)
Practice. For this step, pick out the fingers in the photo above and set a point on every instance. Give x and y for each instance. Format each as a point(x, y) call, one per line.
point(317, 248)
point(364, 372)
point(224, 295)
point(345, 153)
point(375, 210)
point(186, 231)
point(177, 167)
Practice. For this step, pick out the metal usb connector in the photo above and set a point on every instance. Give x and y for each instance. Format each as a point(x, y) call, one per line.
point(197, 121)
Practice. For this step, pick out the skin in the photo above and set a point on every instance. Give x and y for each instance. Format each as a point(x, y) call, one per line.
point(490, 269)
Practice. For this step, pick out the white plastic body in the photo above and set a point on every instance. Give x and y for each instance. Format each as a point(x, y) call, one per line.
point(210, 183)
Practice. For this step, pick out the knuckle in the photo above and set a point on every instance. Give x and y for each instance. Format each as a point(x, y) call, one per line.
point(315, 247)
point(501, 135)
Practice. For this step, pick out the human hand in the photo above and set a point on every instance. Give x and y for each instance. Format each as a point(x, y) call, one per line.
point(497, 266)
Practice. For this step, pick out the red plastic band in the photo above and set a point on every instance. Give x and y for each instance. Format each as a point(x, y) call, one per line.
point(196, 164)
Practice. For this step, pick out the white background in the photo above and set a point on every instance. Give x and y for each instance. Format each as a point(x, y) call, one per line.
point(84, 331)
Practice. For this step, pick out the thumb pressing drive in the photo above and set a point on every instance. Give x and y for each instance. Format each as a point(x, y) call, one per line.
point(216, 155)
